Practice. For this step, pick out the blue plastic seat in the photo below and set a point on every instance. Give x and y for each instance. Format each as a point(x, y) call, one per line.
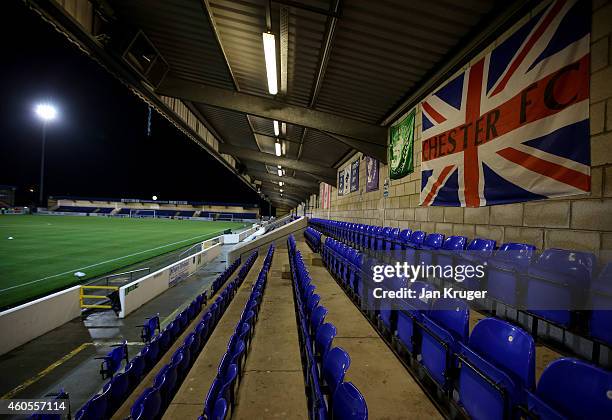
point(335, 365)
point(147, 406)
point(180, 359)
point(497, 366)
point(451, 246)
point(134, 370)
point(558, 281)
point(111, 363)
point(411, 314)
point(202, 333)
point(152, 356)
point(96, 408)
point(149, 328)
point(572, 389)
point(505, 272)
point(600, 323)
point(432, 243)
point(324, 337)
point(220, 410)
point(222, 387)
point(316, 318)
point(313, 302)
point(118, 392)
point(348, 403)
point(446, 325)
point(192, 344)
point(478, 251)
point(165, 382)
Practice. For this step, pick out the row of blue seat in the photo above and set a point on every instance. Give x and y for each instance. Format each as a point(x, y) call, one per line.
point(220, 399)
point(516, 276)
point(313, 238)
point(492, 370)
point(120, 385)
point(154, 400)
point(324, 366)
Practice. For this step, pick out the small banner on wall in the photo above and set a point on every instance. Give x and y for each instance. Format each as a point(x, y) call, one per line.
point(400, 147)
point(514, 126)
point(341, 182)
point(371, 174)
point(325, 195)
point(347, 180)
point(355, 175)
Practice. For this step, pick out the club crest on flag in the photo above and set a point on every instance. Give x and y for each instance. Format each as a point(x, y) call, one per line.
point(400, 147)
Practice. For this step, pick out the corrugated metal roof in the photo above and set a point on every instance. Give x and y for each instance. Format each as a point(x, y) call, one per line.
point(180, 30)
point(232, 126)
point(318, 146)
point(240, 25)
point(380, 51)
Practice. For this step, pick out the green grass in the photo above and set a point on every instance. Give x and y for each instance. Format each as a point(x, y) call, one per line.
point(47, 250)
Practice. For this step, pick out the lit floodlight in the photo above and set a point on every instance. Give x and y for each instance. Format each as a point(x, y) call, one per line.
point(46, 112)
point(154, 198)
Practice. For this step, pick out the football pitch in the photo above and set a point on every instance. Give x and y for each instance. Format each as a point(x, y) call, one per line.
point(46, 251)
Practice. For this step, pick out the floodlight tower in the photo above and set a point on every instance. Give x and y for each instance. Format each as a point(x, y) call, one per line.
point(47, 113)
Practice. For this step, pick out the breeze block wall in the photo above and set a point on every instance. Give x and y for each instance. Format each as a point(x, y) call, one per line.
point(582, 222)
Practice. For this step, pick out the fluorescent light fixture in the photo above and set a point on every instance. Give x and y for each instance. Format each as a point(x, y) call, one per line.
point(278, 166)
point(46, 112)
point(281, 190)
point(276, 129)
point(280, 172)
point(281, 183)
point(277, 148)
point(270, 55)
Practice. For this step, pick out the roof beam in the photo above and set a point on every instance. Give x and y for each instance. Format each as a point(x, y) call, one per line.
point(321, 172)
point(294, 188)
point(328, 42)
point(359, 132)
point(309, 185)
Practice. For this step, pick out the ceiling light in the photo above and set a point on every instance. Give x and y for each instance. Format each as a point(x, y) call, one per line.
point(281, 190)
point(281, 183)
point(276, 129)
point(280, 172)
point(277, 148)
point(270, 55)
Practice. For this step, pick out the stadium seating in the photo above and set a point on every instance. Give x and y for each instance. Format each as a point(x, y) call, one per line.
point(156, 398)
point(313, 238)
point(324, 365)
point(220, 398)
point(171, 375)
point(490, 373)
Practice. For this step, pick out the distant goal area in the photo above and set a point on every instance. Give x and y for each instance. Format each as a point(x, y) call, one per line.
point(136, 208)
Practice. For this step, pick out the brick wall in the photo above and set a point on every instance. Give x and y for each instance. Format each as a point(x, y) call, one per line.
point(578, 222)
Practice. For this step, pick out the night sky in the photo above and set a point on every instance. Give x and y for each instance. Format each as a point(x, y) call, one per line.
point(98, 147)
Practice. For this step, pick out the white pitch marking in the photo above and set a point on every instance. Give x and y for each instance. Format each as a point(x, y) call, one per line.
point(104, 262)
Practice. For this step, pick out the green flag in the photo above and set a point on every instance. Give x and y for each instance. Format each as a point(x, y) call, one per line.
point(400, 147)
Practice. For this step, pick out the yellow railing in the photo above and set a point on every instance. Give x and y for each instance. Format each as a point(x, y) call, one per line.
point(83, 296)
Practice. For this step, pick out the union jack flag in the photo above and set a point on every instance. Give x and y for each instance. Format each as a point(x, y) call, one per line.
point(514, 126)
